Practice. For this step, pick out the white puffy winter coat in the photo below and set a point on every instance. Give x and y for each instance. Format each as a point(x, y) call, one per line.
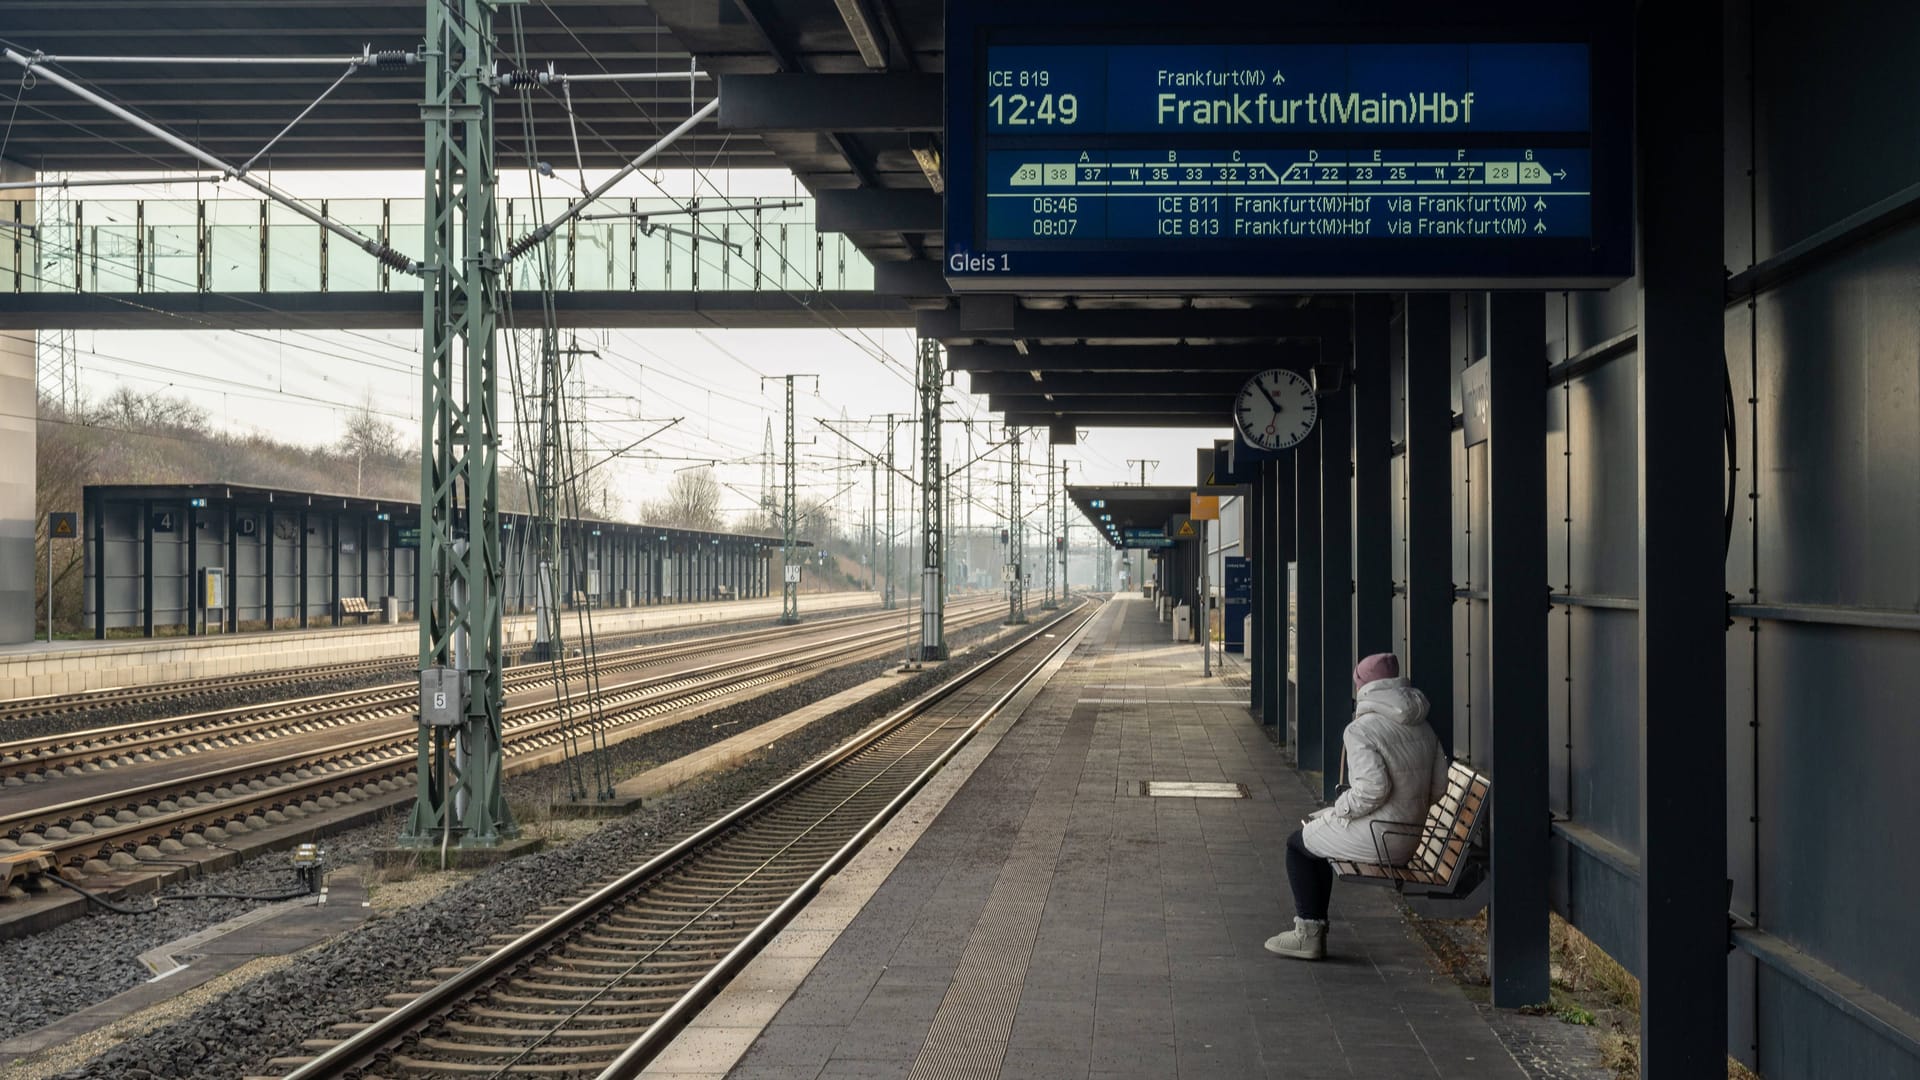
point(1395, 769)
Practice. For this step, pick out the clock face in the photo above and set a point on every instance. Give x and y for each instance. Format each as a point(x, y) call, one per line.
point(1275, 410)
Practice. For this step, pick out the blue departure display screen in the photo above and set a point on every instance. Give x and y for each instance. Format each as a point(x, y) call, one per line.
point(1352, 164)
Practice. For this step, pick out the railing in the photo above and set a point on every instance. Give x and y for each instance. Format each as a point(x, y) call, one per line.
point(257, 246)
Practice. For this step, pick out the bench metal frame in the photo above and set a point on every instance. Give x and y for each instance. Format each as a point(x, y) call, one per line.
point(1447, 834)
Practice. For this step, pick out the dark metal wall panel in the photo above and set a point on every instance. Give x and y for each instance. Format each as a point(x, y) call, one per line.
point(1801, 1035)
point(1605, 724)
point(1560, 690)
point(1599, 899)
point(1604, 494)
point(1838, 743)
point(170, 568)
point(1594, 317)
point(1398, 481)
point(287, 539)
point(1833, 90)
point(249, 587)
point(1473, 680)
point(1840, 429)
point(1742, 642)
point(319, 545)
point(123, 564)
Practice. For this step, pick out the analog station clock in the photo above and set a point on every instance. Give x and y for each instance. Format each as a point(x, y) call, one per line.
point(1275, 410)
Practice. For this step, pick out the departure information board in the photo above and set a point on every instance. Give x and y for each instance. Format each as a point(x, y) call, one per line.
point(1322, 164)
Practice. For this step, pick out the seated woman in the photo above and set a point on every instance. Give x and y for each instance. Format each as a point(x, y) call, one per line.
point(1396, 771)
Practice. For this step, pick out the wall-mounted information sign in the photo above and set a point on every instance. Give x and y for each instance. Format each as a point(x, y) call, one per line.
point(1089, 152)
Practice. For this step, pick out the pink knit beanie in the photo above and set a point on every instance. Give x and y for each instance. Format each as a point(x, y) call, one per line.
point(1378, 666)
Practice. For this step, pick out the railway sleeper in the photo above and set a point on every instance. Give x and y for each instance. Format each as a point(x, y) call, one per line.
point(536, 1029)
point(624, 968)
point(602, 1051)
point(628, 942)
point(709, 951)
point(647, 996)
point(520, 1016)
point(488, 1068)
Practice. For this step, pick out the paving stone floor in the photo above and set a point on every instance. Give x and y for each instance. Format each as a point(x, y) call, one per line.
point(1053, 922)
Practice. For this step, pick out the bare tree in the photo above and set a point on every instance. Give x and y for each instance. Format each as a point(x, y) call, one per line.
point(368, 439)
point(130, 410)
point(692, 502)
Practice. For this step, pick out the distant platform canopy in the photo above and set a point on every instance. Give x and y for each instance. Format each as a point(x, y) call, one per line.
point(1132, 516)
point(238, 557)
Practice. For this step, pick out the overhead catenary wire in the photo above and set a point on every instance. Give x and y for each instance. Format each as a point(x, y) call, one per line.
point(540, 234)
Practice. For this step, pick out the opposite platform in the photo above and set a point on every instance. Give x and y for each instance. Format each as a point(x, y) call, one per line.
point(1054, 921)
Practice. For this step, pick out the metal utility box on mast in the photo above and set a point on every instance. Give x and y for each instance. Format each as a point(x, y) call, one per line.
point(459, 758)
point(933, 520)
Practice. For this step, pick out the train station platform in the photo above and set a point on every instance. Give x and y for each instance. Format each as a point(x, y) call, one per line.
point(32, 669)
point(1035, 913)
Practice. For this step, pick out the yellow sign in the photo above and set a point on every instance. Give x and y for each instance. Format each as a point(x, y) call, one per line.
point(62, 525)
point(1203, 507)
point(1186, 529)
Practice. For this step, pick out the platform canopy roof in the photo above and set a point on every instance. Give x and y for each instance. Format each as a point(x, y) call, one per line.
point(220, 495)
point(1129, 506)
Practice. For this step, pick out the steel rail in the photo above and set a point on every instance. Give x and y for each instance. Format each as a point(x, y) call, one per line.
point(382, 1035)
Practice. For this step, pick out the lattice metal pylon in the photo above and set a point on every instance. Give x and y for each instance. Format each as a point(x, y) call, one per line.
point(933, 509)
point(769, 504)
point(59, 351)
point(458, 767)
point(789, 565)
point(1052, 541)
point(887, 600)
point(1064, 540)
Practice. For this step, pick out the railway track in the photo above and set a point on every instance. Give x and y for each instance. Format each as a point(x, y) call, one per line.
point(599, 987)
point(72, 753)
point(190, 690)
point(116, 829)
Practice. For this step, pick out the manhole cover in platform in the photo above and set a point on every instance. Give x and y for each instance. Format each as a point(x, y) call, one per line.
point(1192, 789)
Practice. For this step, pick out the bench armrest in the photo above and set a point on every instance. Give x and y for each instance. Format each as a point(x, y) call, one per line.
point(1382, 829)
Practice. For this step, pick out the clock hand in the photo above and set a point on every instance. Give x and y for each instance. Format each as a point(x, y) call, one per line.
point(1271, 400)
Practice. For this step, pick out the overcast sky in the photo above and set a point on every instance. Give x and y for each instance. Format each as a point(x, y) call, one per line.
point(298, 386)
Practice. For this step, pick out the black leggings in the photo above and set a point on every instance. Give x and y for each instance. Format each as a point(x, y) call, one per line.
point(1311, 877)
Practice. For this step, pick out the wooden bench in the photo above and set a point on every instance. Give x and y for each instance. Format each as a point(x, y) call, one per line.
point(356, 605)
point(723, 592)
point(1444, 841)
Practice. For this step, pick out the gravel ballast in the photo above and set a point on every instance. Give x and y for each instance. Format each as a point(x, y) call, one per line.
point(237, 1033)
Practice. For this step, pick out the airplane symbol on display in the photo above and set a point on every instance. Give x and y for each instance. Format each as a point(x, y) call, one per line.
point(1539, 226)
point(1539, 204)
point(1279, 77)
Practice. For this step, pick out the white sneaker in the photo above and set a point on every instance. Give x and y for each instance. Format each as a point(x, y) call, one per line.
point(1306, 941)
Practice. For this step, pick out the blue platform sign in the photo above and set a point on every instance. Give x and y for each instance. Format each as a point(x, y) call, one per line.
point(1239, 600)
point(1087, 152)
